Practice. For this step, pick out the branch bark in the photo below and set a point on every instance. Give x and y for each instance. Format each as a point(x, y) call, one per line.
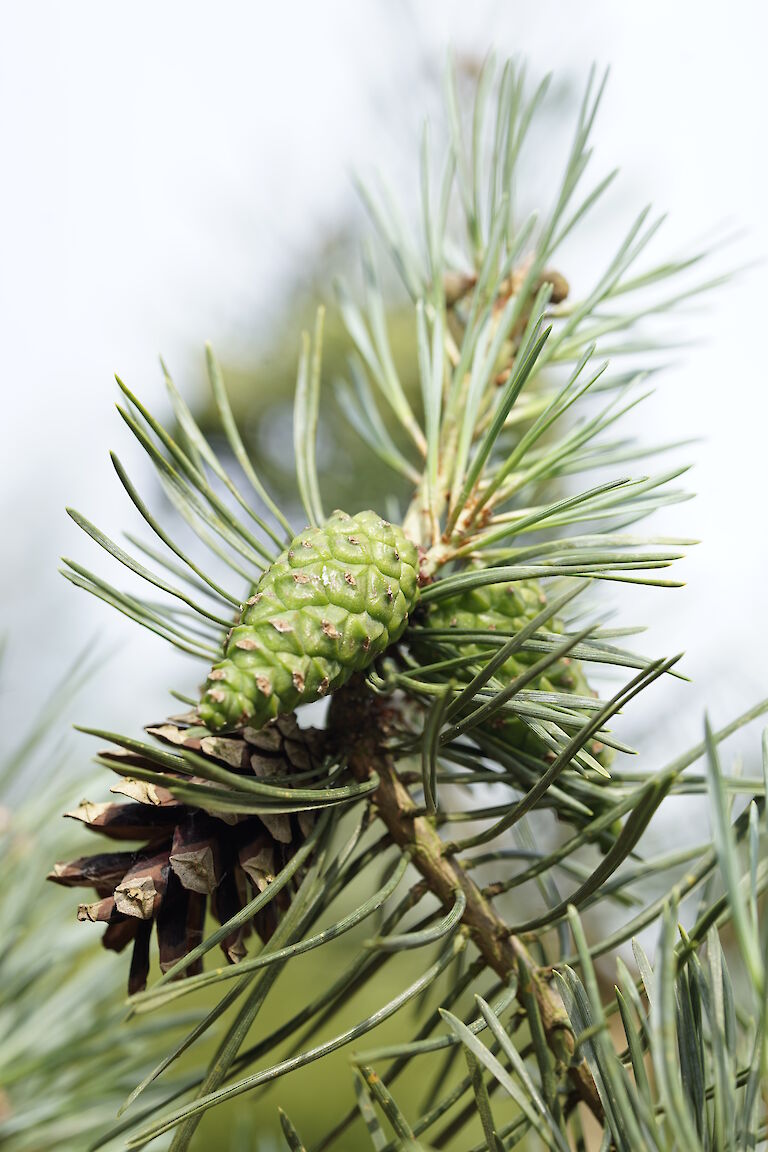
point(360, 723)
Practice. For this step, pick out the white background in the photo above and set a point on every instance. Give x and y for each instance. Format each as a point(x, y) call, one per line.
point(166, 165)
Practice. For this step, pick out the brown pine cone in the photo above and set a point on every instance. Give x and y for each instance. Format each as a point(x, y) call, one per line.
point(189, 856)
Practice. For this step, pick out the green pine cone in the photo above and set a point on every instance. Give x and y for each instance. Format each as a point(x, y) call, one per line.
point(328, 606)
point(507, 608)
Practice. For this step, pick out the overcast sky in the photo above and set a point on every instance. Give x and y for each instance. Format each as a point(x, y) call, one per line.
point(165, 167)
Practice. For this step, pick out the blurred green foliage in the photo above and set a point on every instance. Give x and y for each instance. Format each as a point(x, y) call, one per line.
point(262, 392)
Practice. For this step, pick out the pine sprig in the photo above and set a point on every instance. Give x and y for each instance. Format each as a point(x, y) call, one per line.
point(480, 714)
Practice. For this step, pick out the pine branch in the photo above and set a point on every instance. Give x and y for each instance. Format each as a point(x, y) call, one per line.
point(360, 723)
point(456, 658)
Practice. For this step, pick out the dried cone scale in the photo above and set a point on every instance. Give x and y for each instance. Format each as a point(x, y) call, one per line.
point(190, 858)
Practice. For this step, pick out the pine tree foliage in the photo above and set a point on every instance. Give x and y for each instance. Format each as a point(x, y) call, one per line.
point(60, 1011)
point(472, 802)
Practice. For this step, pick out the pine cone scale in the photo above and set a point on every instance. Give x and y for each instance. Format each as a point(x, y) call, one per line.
point(180, 925)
